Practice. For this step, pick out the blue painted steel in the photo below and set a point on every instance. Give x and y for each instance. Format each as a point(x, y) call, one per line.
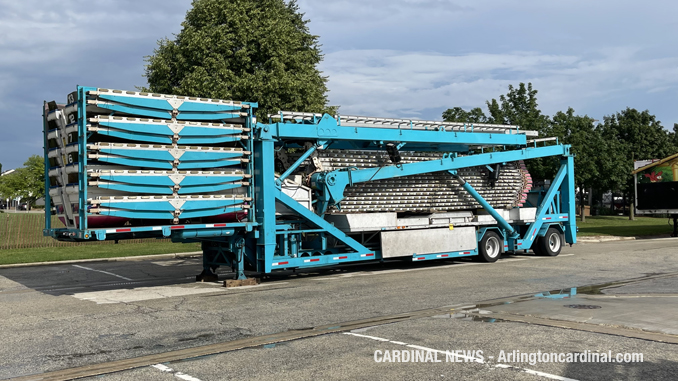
point(321, 260)
point(320, 222)
point(205, 233)
point(267, 242)
point(264, 180)
point(542, 210)
point(188, 105)
point(159, 214)
point(328, 129)
point(568, 200)
point(167, 190)
point(486, 205)
point(453, 254)
point(296, 164)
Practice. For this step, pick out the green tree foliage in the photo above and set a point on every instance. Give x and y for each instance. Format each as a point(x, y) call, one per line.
point(458, 114)
point(580, 132)
point(604, 154)
point(27, 182)
point(519, 107)
point(248, 50)
point(637, 136)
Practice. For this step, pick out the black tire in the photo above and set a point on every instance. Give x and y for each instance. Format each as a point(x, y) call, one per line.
point(550, 244)
point(490, 247)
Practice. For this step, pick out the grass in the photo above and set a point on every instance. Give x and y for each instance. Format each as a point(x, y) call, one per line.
point(622, 226)
point(46, 254)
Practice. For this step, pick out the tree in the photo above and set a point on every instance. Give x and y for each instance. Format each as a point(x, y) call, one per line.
point(588, 147)
point(248, 50)
point(519, 107)
point(458, 114)
point(640, 137)
point(27, 182)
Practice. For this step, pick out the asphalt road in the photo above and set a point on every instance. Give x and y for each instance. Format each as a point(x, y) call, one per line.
point(65, 316)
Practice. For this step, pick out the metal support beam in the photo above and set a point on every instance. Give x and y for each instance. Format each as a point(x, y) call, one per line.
point(296, 164)
point(511, 233)
point(328, 128)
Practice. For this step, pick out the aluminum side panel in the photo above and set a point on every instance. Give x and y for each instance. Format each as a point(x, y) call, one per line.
point(427, 241)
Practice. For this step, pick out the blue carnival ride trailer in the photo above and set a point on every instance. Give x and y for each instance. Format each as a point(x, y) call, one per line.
point(304, 190)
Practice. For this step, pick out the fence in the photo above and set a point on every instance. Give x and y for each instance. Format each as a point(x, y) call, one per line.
point(24, 230)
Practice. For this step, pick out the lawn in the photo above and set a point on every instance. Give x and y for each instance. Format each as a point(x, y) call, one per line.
point(622, 226)
point(45, 254)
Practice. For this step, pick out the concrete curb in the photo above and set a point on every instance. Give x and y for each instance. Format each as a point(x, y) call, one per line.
point(609, 238)
point(596, 239)
point(192, 254)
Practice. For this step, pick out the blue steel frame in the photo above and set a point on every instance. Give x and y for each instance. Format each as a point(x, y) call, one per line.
point(267, 244)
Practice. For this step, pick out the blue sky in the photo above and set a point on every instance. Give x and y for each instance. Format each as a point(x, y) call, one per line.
point(392, 58)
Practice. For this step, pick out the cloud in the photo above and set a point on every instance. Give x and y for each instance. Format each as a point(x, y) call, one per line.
point(47, 49)
point(390, 82)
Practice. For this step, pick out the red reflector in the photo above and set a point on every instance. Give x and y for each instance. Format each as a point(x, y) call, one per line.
point(370, 255)
point(344, 257)
point(177, 227)
point(219, 225)
point(313, 260)
point(122, 230)
point(282, 263)
point(467, 252)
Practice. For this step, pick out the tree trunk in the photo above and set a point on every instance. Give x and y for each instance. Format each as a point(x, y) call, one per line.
point(632, 213)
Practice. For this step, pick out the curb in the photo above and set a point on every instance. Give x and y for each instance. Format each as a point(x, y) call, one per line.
point(192, 254)
point(598, 239)
point(607, 238)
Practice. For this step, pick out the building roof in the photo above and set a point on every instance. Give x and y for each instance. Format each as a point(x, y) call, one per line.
point(655, 163)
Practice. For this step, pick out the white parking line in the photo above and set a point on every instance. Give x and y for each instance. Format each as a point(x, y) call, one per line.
point(102, 271)
point(167, 369)
point(474, 359)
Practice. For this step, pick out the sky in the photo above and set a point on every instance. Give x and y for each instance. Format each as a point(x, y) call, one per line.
point(387, 58)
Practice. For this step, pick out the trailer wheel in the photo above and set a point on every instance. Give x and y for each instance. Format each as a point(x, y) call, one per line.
point(489, 248)
point(550, 244)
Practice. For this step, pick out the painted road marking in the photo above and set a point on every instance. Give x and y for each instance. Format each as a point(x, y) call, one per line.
point(176, 262)
point(469, 358)
point(180, 375)
point(102, 271)
point(142, 293)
